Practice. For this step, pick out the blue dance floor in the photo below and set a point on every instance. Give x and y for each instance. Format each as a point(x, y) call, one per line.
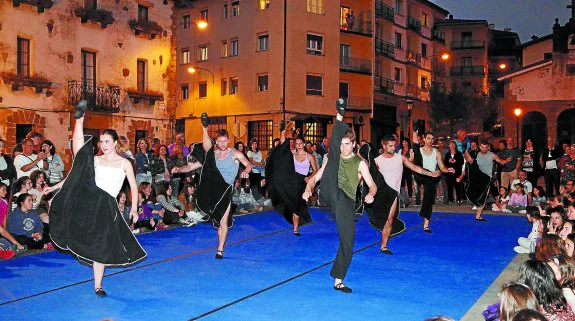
point(269, 274)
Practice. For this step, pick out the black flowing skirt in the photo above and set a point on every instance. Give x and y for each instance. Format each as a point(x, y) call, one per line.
point(478, 184)
point(86, 220)
point(380, 209)
point(285, 185)
point(214, 195)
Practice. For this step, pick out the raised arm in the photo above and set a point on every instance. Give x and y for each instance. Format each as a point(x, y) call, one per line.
point(364, 171)
point(207, 142)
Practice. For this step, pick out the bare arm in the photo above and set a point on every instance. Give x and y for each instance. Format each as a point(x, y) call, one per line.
point(442, 165)
point(313, 162)
point(206, 141)
point(499, 160)
point(133, 189)
point(35, 162)
point(239, 156)
point(186, 168)
point(364, 171)
point(418, 169)
point(313, 180)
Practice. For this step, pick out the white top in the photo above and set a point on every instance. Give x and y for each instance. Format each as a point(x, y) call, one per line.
point(23, 160)
point(430, 162)
point(391, 169)
point(258, 158)
point(3, 166)
point(110, 179)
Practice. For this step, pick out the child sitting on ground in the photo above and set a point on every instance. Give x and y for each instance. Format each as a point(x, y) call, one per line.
point(527, 244)
point(518, 200)
point(501, 201)
point(145, 217)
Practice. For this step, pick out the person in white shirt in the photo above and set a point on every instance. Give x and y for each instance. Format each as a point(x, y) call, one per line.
point(27, 162)
point(527, 186)
point(527, 244)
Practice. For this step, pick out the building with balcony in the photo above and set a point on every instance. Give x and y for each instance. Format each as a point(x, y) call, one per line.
point(114, 54)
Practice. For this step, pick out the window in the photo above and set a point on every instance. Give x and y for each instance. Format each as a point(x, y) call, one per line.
point(142, 13)
point(315, 132)
point(466, 61)
point(263, 42)
point(344, 54)
point(398, 6)
point(203, 53)
point(313, 85)
point(217, 123)
point(225, 10)
point(314, 44)
point(23, 60)
point(88, 72)
point(233, 86)
point(185, 56)
point(547, 55)
point(224, 86)
point(264, 4)
point(423, 83)
point(314, 6)
point(343, 14)
point(202, 89)
point(262, 131)
point(466, 37)
point(141, 75)
point(570, 69)
point(423, 50)
point(466, 84)
point(91, 4)
point(235, 47)
point(224, 48)
point(263, 83)
point(398, 40)
point(424, 20)
point(204, 15)
point(22, 131)
point(397, 76)
point(235, 8)
point(186, 22)
point(185, 89)
point(180, 125)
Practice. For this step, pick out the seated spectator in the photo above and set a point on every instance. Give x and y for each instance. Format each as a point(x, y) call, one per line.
point(518, 201)
point(556, 220)
point(261, 194)
point(3, 204)
point(155, 207)
point(188, 198)
point(570, 245)
point(538, 196)
point(7, 169)
point(25, 225)
point(145, 218)
point(44, 208)
point(247, 199)
point(9, 247)
point(571, 211)
point(56, 168)
point(527, 244)
point(566, 229)
point(501, 201)
point(564, 269)
point(513, 298)
point(39, 181)
point(527, 186)
point(548, 246)
point(529, 315)
point(27, 162)
point(174, 209)
point(540, 278)
point(22, 185)
point(124, 206)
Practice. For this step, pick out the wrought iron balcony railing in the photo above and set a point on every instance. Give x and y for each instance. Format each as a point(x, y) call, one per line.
point(384, 11)
point(358, 65)
point(385, 48)
point(358, 103)
point(100, 98)
point(383, 85)
point(357, 26)
point(416, 59)
point(438, 35)
point(413, 24)
point(467, 44)
point(468, 71)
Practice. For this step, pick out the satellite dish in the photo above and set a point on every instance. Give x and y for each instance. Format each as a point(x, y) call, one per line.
point(239, 130)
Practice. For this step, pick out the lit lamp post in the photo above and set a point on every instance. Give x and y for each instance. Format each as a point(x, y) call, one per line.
point(517, 112)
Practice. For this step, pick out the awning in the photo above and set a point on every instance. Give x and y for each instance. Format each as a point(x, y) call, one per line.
point(310, 118)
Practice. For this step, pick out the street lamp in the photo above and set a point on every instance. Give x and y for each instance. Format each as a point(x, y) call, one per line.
point(202, 24)
point(503, 66)
point(192, 70)
point(517, 112)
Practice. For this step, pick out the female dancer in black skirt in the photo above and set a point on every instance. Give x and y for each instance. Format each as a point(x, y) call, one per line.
point(84, 215)
point(219, 171)
point(287, 175)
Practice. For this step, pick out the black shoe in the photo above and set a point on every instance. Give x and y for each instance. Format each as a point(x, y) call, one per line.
point(296, 233)
point(427, 230)
point(219, 255)
point(341, 287)
point(340, 106)
point(481, 219)
point(386, 251)
point(205, 120)
point(81, 109)
point(100, 292)
point(282, 125)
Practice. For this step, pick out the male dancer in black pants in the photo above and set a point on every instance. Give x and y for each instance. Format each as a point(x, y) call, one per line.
point(343, 172)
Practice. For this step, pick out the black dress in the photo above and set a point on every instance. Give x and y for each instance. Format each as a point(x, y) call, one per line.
point(286, 186)
point(86, 220)
point(478, 185)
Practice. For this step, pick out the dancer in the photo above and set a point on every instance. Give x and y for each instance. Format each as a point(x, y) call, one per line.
point(343, 171)
point(84, 215)
point(480, 176)
point(286, 174)
point(219, 170)
point(429, 158)
point(384, 214)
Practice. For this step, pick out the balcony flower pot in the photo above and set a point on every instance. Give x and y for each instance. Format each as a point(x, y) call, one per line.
point(41, 5)
point(104, 17)
point(150, 28)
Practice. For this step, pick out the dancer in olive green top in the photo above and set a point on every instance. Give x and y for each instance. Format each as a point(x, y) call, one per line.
point(340, 177)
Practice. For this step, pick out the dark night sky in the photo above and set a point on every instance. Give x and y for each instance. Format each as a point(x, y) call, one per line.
point(526, 17)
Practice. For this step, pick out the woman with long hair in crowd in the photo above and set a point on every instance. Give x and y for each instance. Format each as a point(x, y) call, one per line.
point(56, 167)
point(513, 298)
point(144, 159)
point(7, 169)
point(83, 218)
point(39, 183)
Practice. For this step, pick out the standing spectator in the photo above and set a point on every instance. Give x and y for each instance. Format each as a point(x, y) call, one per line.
point(461, 140)
point(162, 165)
point(27, 162)
point(509, 169)
point(454, 159)
point(549, 160)
point(124, 148)
point(350, 19)
point(178, 160)
point(473, 149)
point(324, 146)
point(37, 138)
point(530, 161)
point(7, 169)
point(568, 169)
point(255, 157)
point(55, 163)
point(144, 159)
point(179, 141)
point(407, 175)
point(314, 151)
point(155, 146)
